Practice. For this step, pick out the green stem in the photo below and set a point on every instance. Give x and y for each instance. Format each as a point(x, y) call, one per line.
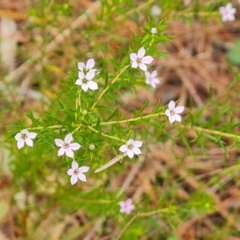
point(43, 128)
point(214, 132)
point(131, 119)
point(78, 102)
point(143, 214)
point(108, 86)
point(106, 135)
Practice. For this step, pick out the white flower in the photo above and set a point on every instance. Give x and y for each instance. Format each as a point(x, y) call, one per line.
point(88, 67)
point(76, 173)
point(66, 146)
point(151, 78)
point(227, 12)
point(154, 30)
point(86, 82)
point(138, 60)
point(131, 148)
point(25, 137)
point(173, 112)
point(155, 11)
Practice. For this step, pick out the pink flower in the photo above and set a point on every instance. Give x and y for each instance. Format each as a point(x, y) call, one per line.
point(151, 78)
point(173, 112)
point(126, 207)
point(88, 67)
point(25, 137)
point(227, 12)
point(76, 173)
point(131, 148)
point(138, 60)
point(66, 146)
point(86, 82)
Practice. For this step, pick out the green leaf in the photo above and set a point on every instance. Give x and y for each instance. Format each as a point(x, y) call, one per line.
point(234, 54)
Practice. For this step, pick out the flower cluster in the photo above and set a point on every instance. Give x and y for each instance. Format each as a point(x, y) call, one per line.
point(140, 60)
point(67, 146)
point(86, 73)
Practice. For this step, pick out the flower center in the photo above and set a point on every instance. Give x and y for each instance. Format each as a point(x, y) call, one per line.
point(76, 172)
point(139, 60)
point(130, 146)
point(24, 136)
point(85, 80)
point(66, 145)
point(172, 112)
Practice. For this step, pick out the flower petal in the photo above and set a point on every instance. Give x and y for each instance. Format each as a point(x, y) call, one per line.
point(130, 153)
point(134, 65)
point(74, 146)
point(137, 144)
point(68, 138)
point(133, 57)
point(81, 75)
point(81, 66)
point(147, 59)
point(69, 152)
point(171, 105)
point(70, 172)
point(178, 118)
point(136, 151)
point(61, 151)
point(74, 179)
point(83, 169)
point(123, 148)
point(84, 87)
point(90, 75)
point(142, 67)
point(32, 135)
point(179, 109)
point(171, 118)
point(20, 143)
point(167, 112)
point(130, 142)
point(18, 136)
point(93, 85)
point(74, 165)
point(147, 74)
point(59, 142)
point(141, 52)
point(29, 142)
point(90, 63)
point(79, 82)
point(82, 177)
point(154, 74)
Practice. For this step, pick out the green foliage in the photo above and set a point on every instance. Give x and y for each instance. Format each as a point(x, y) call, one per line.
point(95, 119)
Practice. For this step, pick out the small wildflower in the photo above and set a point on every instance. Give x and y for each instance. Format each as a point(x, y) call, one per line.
point(131, 148)
point(138, 60)
point(91, 146)
point(76, 173)
point(126, 207)
point(25, 137)
point(154, 30)
point(67, 146)
point(151, 78)
point(155, 11)
point(86, 82)
point(227, 12)
point(173, 112)
point(88, 67)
